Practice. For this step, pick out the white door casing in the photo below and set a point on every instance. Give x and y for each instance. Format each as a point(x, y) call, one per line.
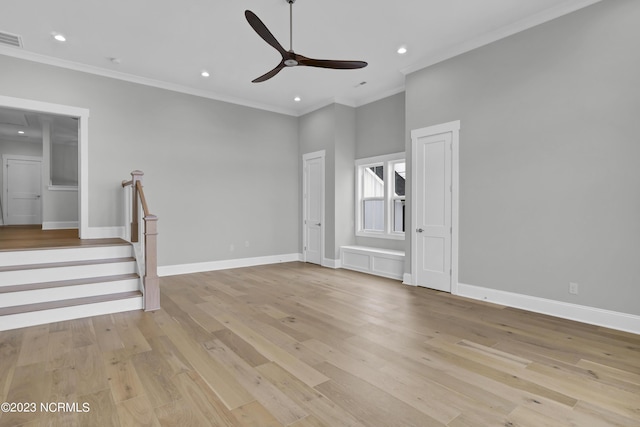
point(22, 190)
point(434, 207)
point(313, 207)
point(83, 144)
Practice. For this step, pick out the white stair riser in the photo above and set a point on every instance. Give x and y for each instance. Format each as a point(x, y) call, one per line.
point(68, 292)
point(40, 275)
point(28, 257)
point(21, 320)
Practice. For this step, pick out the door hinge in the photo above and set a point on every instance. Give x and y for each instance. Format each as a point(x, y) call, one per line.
point(305, 248)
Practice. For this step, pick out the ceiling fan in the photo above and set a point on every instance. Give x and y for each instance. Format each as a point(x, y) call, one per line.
point(289, 57)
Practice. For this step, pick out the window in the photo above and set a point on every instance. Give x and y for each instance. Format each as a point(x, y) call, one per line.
point(397, 195)
point(380, 196)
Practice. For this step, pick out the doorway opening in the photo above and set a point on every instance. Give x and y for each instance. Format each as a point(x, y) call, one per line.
point(58, 134)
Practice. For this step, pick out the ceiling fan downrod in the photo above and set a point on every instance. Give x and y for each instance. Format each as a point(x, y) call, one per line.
point(291, 2)
point(290, 62)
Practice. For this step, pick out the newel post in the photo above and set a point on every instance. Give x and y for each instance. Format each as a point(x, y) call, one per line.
point(135, 177)
point(151, 280)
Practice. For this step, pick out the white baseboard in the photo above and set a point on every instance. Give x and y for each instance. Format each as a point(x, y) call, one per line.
point(591, 315)
point(104, 233)
point(407, 280)
point(59, 225)
point(331, 263)
point(173, 270)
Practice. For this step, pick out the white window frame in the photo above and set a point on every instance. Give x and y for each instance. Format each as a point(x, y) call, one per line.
point(393, 197)
point(388, 161)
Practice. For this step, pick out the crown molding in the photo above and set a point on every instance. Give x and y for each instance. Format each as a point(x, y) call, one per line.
point(380, 95)
point(501, 33)
point(103, 72)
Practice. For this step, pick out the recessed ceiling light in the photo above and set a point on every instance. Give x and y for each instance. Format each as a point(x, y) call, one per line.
point(402, 50)
point(59, 37)
point(21, 132)
point(297, 99)
point(205, 74)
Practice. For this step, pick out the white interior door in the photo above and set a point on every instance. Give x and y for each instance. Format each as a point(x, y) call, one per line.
point(432, 214)
point(23, 189)
point(313, 209)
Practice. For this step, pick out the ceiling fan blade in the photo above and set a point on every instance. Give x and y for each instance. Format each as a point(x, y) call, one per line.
point(328, 63)
point(263, 31)
point(270, 74)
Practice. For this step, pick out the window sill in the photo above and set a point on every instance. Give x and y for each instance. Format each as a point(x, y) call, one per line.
point(62, 188)
point(380, 235)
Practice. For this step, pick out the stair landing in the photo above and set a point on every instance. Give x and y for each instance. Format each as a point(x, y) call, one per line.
point(52, 275)
point(25, 237)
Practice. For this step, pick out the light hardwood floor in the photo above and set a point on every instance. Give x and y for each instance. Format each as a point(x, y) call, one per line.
point(298, 345)
point(26, 237)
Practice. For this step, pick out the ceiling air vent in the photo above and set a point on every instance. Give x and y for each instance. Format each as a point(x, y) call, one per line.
point(10, 39)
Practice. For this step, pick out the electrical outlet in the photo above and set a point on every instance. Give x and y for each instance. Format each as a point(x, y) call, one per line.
point(573, 288)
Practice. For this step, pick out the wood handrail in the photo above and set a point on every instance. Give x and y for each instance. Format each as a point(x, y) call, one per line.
point(143, 200)
point(151, 281)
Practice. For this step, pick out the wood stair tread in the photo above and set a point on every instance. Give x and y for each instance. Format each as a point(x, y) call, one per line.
point(63, 283)
point(66, 264)
point(68, 303)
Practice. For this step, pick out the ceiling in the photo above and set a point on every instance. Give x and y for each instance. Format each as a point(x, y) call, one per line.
point(169, 43)
point(24, 126)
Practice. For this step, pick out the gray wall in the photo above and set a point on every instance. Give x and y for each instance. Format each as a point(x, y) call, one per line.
point(57, 205)
point(21, 148)
point(345, 141)
point(348, 134)
point(332, 128)
point(380, 129)
point(218, 175)
point(316, 132)
point(548, 156)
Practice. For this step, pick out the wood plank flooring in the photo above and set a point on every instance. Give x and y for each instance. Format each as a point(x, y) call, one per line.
point(24, 237)
point(298, 345)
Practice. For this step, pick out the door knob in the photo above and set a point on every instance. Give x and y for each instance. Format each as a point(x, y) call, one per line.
point(419, 230)
point(319, 224)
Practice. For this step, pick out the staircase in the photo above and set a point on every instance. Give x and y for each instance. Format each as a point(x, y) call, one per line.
point(40, 286)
